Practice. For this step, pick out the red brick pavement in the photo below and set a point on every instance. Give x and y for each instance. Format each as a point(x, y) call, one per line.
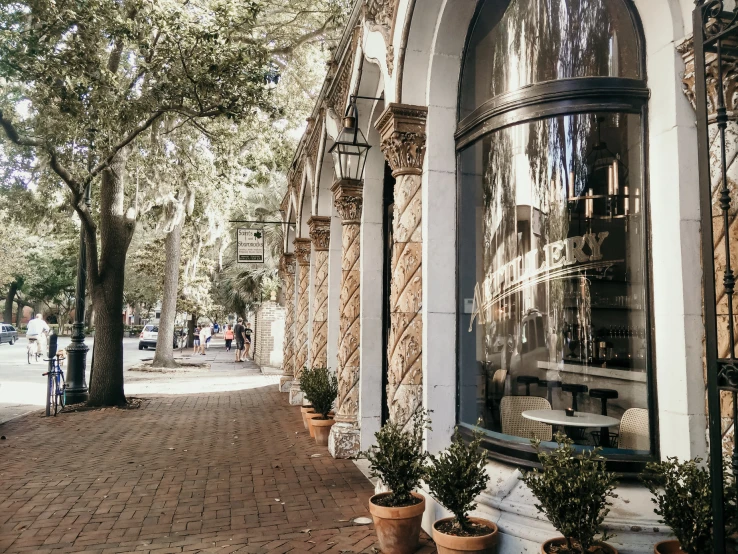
point(223, 472)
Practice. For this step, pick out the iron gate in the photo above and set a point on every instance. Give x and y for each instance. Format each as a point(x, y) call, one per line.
point(716, 55)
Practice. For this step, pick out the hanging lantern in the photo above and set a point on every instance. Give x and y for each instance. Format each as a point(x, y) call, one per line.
point(350, 148)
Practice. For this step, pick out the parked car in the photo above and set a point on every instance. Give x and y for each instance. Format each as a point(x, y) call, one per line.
point(149, 335)
point(8, 334)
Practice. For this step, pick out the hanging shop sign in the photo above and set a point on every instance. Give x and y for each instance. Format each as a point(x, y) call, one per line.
point(250, 246)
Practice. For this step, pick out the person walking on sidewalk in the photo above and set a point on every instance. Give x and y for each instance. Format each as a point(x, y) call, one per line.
point(204, 338)
point(196, 340)
point(208, 335)
point(228, 336)
point(240, 334)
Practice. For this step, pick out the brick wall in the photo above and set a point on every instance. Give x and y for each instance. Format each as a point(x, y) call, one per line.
point(269, 334)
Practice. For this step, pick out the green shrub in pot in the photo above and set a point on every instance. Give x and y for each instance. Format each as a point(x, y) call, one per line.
point(573, 492)
point(455, 478)
point(306, 383)
point(398, 460)
point(323, 390)
point(683, 496)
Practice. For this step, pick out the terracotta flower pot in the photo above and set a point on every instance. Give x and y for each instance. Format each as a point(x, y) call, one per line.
point(305, 410)
point(309, 417)
point(322, 429)
point(451, 544)
point(606, 548)
point(398, 529)
point(668, 547)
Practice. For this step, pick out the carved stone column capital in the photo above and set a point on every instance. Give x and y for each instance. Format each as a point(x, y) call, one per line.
point(729, 80)
point(348, 199)
point(302, 251)
point(320, 232)
point(287, 265)
point(380, 16)
point(402, 128)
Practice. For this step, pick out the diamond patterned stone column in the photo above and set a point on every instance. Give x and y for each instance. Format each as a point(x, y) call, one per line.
point(302, 253)
point(320, 233)
point(402, 129)
point(344, 438)
point(287, 273)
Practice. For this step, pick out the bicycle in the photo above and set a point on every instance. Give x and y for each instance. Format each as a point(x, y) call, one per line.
point(33, 350)
point(57, 386)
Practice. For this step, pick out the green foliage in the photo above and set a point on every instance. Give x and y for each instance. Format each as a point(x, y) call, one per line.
point(573, 491)
point(324, 390)
point(398, 458)
point(456, 477)
point(682, 494)
point(307, 379)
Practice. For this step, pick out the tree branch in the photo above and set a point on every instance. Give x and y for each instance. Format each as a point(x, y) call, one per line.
point(12, 133)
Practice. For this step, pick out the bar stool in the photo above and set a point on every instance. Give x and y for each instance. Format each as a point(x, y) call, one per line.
point(574, 390)
point(604, 395)
point(527, 380)
point(550, 385)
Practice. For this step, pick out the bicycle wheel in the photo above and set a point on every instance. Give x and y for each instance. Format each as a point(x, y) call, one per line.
point(55, 399)
point(61, 387)
point(28, 352)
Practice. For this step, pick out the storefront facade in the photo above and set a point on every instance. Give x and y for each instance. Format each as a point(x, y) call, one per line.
point(524, 235)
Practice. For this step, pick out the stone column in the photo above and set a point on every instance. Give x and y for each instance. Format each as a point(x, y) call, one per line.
point(402, 129)
point(320, 233)
point(287, 273)
point(344, 438)
point(302, 253)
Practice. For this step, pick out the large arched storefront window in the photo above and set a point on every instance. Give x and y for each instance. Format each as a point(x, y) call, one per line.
point(552, 235)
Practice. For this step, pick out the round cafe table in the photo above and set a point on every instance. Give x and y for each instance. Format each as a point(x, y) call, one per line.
point(573, 425)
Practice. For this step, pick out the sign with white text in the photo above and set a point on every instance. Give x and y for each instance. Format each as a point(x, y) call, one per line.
point(250, 246)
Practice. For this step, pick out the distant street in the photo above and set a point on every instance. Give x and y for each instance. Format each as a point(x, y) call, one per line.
point(23, 389)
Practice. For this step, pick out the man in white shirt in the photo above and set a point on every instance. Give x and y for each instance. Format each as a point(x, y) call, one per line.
point(37, 330)
point(205, 334)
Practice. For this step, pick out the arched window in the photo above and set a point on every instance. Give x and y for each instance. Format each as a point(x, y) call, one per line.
point(552, 234)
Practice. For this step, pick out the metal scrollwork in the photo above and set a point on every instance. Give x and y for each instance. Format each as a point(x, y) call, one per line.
point(728, 377)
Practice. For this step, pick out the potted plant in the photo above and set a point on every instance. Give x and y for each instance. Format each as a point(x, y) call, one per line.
point(398, 460)
point(683, 497)
point(306, 377)
point(455, 478)
point(574, 492)
point(324, 392)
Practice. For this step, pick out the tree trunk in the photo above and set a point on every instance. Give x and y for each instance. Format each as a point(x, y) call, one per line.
point(164, 356)
point(191, 330)
point(106, 379)
point(106, 280)
point(8, 311)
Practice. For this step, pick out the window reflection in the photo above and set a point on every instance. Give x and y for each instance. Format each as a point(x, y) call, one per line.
point(522, 42)
point(552, 266)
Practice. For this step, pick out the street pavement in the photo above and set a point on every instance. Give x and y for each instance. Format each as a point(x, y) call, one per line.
point(23, 389)
point(216, 471)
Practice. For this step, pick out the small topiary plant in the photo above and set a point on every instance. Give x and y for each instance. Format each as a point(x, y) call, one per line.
point(306, 383)
point(398, 459)
point(683, 498)
point(324, 390)
point(573, 491)
point(455, 478)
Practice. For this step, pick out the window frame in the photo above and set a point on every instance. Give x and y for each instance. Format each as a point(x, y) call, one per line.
point(541, 101)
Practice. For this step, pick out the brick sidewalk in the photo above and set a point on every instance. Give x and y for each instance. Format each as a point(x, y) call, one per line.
point(220, 472)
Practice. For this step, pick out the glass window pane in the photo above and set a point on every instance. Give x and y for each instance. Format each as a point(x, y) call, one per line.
point(523, 42)
point(552, 252)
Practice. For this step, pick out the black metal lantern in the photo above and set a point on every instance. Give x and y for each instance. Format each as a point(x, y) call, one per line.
point(350, 148)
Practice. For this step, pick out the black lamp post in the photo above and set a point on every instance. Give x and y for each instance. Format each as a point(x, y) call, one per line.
point(76, 384)
point(350, 147)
